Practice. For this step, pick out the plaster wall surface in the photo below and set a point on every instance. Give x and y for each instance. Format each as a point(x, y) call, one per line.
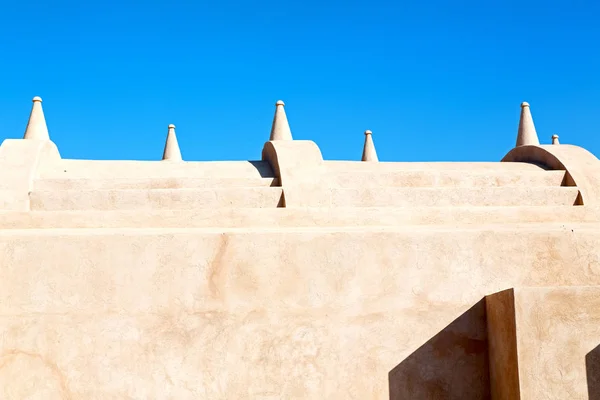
point(118, 169)
point(299, 217)
point(190, 313)
point(286, 278)
point(552, 338)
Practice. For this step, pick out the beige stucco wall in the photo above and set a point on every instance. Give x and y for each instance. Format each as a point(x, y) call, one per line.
point(286, 314)
point(552, 339)
point(502, 346)
point(287, 278)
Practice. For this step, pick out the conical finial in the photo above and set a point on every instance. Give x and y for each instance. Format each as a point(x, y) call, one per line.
point(555, 139)
point(526, 134)
point(172, 152)
point(369, 153)
point(36, 127)
point(280, 130)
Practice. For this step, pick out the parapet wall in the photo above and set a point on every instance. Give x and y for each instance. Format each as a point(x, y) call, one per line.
point(295, 277)
point(292, 175)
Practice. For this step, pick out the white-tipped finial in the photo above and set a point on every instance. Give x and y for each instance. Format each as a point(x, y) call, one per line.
point(369, 153)
point(526, 134)
point(36, 126)
point(555, 139)
point(280, 130)
point(172, 152)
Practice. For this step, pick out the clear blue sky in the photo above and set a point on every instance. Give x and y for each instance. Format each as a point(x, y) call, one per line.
point(433, 80)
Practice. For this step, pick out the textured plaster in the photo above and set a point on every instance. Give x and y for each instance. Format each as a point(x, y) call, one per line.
point(286, 278)
point(241, 218)
point(583, 168)
point(20, 163)
point(502, 346)
point(112, 309)
point(553, 343)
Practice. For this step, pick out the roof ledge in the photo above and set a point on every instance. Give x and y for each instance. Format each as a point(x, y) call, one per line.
point(582, 167)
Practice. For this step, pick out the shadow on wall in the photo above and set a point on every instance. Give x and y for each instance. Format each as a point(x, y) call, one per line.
point(263, 168)
point(451, 365)
point(592, 369)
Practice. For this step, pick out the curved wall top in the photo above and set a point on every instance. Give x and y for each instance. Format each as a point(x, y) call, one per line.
point(583, 168)
point(297, 164)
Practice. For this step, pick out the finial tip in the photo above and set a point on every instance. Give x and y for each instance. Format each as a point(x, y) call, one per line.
point(368, 132)
point(37, 99)
point(171, 126)
point(280, 103)
point(524, 104)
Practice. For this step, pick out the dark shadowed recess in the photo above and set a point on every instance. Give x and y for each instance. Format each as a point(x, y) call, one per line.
point(592, 369)
point(263, 168)
point(452, 365)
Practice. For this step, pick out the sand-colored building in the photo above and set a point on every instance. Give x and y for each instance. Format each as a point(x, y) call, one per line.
point(294, 277)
